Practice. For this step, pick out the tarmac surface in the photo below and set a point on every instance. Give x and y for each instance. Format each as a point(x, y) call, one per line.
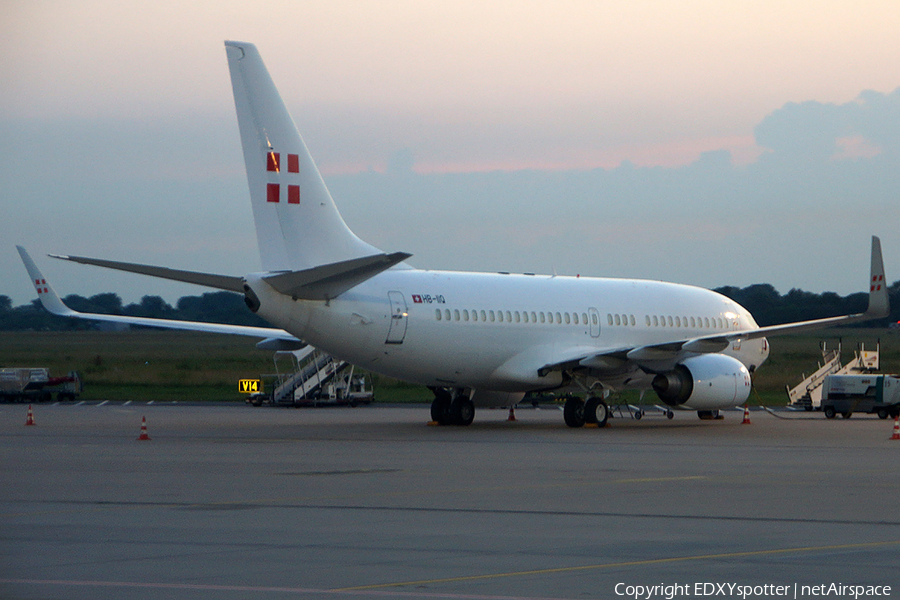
point(240, 502)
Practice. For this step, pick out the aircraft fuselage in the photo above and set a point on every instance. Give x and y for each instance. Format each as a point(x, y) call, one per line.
point(456, 329)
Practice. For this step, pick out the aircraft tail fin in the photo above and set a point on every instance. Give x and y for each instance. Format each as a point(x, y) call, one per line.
point(298, 225)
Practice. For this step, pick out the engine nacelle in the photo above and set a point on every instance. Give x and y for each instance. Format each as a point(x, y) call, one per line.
point(708, 381)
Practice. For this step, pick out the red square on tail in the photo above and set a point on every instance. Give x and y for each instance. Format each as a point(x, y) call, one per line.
point(293, 163)
point(273, 192)
point(293, 194)
point(272, 160)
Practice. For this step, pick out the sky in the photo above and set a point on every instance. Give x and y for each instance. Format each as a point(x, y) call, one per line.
point(704, 142)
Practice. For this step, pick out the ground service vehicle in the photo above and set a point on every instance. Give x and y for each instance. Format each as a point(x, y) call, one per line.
point(846, 394)
point(34, 384)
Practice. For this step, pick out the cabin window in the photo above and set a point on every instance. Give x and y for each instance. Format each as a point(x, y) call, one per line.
point(508, 317)
point(609, 319)
point(594, 318)
point(677, 321)
point(618, 320)
point(568, 319)
point(437, 314)
point(483, 316)
point(633, 322)
point(525, 315)
point(500, 316)
point(447, 314)
point(693, 324)
point(584, 318)
point(518, 317)
point(533, 317)
point(465, 315)
point(456, 314)
point(475, 315)
point(575, 318)
point(706, 321)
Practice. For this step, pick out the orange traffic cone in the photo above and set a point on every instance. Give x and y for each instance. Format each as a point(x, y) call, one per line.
point(746, 420)
point(143, 435)
point(29, 420)
point(512, 414)
point(896, 435)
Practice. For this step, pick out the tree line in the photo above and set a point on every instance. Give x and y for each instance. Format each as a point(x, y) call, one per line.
point(767, 305)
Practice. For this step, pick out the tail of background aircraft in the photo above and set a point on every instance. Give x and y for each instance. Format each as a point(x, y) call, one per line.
point(298, 225)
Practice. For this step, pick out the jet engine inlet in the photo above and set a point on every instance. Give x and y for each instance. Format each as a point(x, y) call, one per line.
point(708, 381)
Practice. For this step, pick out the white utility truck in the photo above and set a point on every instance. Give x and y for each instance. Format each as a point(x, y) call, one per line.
point(869, 393)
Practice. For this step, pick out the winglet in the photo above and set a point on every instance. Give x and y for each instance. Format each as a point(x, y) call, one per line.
point(879, 305)
point(49, 298)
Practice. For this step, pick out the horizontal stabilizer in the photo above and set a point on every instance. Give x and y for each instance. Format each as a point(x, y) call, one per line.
point(221, 282)
point(332, 280)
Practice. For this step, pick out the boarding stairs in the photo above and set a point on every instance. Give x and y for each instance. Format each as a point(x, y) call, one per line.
point(808, 393)
point(313, 370)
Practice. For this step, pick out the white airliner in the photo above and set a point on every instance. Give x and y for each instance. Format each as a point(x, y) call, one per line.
point(475, 339)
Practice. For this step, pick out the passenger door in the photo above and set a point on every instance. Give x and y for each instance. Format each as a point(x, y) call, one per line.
point(399, 315)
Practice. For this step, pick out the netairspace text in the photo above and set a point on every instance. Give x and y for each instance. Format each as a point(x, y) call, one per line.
point(796, 591)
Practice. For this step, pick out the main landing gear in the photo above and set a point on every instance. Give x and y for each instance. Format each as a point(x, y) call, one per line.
point(452, 408)
point(577, 412)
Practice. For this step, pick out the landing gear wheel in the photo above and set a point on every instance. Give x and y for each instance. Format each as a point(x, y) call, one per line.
point(670, 414)
point(638, 414)
point(829, 412)
point(462, 411)
point(573, 412)
point(596, 411)
point(440, 408)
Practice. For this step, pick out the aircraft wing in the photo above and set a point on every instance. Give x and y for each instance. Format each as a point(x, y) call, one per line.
point(276, 339)
point(668, 353)
point(222, 282)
